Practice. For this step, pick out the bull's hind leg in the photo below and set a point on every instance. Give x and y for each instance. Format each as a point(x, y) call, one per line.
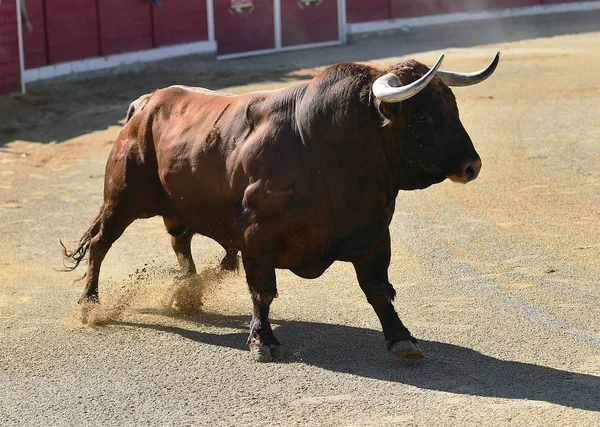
point(260, 275)
point(112, 224)
point(181, 242)
point(130, 192)
point(372, 273)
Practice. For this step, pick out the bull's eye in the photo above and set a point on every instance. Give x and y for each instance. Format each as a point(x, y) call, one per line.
point(422, 118)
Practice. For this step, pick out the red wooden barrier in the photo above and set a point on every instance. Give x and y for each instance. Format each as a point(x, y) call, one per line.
point(450, 6)
point(500, 4)
point(35, 41)
point(72, 30)
point(10, 79)
point(364, 11)
point(558, 1)
point(180, 21)
point(246, 31)
point(374, 10)
point(67, 30)
point(409, 8)
point(304, 23)
point(125, 26)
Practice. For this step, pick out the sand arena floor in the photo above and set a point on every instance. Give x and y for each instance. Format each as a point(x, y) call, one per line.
point(500, 279)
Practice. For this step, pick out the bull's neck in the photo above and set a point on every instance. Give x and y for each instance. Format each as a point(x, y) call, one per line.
point(388, 162)
point(395, 164)
point(378, 163)
point(359, 179)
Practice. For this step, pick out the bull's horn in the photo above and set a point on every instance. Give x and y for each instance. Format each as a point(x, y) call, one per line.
point(388, 88)
point(468, 79)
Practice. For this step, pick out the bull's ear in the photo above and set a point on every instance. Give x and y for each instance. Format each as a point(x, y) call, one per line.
point(388, 111)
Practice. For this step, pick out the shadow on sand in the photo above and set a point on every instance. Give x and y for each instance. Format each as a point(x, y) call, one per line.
point(447, 367)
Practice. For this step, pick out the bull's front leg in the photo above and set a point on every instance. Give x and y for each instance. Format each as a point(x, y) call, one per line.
point(372, 273)
point(260, 275)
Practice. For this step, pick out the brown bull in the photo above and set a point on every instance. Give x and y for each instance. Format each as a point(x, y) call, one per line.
point(295, 178)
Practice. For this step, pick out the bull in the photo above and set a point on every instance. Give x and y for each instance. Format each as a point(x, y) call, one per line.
point(295, 178)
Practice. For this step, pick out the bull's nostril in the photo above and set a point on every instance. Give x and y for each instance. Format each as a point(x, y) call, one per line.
point(470, 173)
point(467, 172)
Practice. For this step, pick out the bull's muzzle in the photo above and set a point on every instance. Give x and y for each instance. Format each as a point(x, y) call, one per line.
point(467, 172)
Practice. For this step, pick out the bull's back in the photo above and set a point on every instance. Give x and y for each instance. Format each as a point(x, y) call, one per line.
point(218, 156)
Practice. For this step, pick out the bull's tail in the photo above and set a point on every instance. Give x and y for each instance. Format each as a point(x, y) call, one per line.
point(231, 261)
point(137, 105)
point(72, 259)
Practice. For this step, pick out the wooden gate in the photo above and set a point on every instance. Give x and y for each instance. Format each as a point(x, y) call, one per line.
point(309, 21)
point(246, 27)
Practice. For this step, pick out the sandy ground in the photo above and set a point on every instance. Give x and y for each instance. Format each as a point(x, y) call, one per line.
point(500, 279)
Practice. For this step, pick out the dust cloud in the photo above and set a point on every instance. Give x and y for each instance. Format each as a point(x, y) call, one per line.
point(149, 289)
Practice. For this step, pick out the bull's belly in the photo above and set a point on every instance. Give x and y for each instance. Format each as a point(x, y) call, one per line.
point(311, 271)
point(310, 251)
point(306, 261)
point(221, 227)
point(310, 259)
point(306, 250)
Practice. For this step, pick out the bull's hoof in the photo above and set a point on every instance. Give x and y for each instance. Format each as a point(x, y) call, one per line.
point(265, 353)
point(406, 349)
point(89, 299)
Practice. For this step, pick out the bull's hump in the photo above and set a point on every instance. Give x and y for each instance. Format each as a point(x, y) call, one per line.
point(201, 90)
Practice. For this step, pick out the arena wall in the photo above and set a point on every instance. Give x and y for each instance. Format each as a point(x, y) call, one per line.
point(10, 78)
point(71, 36)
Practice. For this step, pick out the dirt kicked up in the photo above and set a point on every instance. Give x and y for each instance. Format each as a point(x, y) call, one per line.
point(500, 279)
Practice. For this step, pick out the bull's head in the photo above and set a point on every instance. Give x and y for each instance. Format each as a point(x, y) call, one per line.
point(419, 113)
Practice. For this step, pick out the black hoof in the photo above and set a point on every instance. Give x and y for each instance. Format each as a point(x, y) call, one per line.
point(407, 349)
point(183, 276)
point(265, 353)
point(89, 299)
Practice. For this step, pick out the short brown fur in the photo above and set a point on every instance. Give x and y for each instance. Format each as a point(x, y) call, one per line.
point(295, 179)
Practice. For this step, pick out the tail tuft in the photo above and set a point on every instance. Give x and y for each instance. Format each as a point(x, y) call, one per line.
point(72, 259)
point(231, 261)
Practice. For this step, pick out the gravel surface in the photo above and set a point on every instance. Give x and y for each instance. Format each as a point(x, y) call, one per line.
point(500, 279)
